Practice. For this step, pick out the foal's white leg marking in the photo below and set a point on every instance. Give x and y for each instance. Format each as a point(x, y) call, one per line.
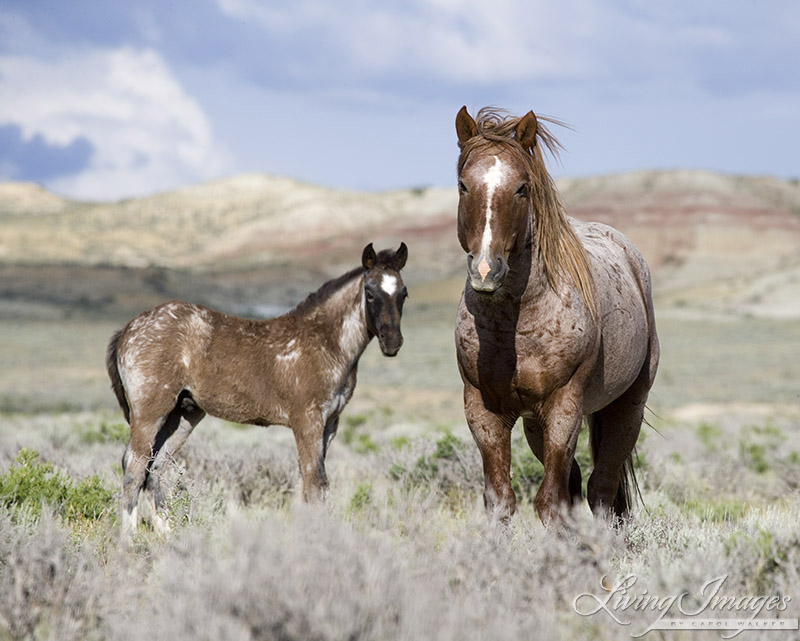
point(129, 521)
point(493, 178)
point(389, 284)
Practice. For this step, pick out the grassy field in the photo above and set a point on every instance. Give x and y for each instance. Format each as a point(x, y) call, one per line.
point(403, 550)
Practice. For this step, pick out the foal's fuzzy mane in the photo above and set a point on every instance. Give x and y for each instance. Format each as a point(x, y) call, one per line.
point(559, 248)
point(317, 298)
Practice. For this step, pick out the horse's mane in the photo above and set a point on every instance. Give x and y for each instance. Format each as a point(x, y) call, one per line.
point(559, 248)
point(317, 298)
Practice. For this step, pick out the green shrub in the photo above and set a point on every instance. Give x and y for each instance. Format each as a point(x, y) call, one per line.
point(754, 455)
point(352, 435)
point(364, 444)
point(31, 483)
point(447, 447)
point(526, 472)
point(403, 441)
point(361, 497)
point(117, 432)
point(710, 436)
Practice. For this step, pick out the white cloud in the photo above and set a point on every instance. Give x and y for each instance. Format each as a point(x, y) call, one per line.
point(475, 43)
point(452, 40)
point(147, 133)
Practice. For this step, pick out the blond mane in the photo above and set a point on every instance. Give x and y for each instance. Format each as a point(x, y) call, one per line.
point(561, 253)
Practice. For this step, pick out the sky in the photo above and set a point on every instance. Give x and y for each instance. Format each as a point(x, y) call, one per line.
point(109, 99)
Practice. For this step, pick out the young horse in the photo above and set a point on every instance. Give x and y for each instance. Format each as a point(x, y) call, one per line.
point(556, 323)
point(172, 365)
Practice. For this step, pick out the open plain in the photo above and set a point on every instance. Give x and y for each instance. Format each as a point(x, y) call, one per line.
point(403, 550)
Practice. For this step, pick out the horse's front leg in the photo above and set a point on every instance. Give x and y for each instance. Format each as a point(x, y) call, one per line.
point(492, 433)
point(309, 435)
point(562, 414)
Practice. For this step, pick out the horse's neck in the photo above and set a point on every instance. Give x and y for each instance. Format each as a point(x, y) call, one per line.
point(526, 279)
point(344, 322)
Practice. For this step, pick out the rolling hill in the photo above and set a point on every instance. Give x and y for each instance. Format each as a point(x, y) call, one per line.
point(716, 243)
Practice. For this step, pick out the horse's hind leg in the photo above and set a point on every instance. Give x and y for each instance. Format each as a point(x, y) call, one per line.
point(148, 417)
point(534, 433)
point(614, 432)
point(134, 466)
point(173, 434)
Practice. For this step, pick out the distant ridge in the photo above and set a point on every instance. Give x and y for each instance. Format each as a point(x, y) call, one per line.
point(699, 230)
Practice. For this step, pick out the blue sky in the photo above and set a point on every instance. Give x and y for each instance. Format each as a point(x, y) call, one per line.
point(111, 99)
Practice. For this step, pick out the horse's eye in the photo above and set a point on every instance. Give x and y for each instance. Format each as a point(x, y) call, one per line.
point(462, 188)
point(522, 192)
point(370, 296)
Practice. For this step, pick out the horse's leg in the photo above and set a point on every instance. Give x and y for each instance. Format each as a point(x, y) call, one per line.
point(331, 427)
point(309, 435)
point(134, 473)
point(492, 434)
point(180, 423)
point(135, 462)
point(614, 432)
point(562, 423)
point(534, 433)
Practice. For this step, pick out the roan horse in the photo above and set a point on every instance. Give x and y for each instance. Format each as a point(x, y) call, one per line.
point(556, 323)
point(175, 363)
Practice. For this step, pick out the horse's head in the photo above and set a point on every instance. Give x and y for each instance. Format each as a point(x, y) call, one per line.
point(384, 295)
point(494, 206)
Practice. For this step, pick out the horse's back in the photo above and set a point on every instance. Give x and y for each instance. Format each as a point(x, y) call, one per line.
point(623, 294)
point(609, 248)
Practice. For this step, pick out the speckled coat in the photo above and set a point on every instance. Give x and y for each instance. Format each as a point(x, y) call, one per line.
point(536, 341)
point(174, 364)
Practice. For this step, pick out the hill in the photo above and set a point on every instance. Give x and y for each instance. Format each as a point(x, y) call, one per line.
point(716, 243)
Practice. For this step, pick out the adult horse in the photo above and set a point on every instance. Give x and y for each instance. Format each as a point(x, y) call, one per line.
point(556, 323)
point(175, 363)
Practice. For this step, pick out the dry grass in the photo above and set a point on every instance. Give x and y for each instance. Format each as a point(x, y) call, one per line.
point(403, 550)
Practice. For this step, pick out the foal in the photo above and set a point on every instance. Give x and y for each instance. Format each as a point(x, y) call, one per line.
point(174, 364)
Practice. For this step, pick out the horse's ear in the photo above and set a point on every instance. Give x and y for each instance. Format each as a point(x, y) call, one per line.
point(400, 257)
point(526, 130)
point(368, 257)
point(465, 126)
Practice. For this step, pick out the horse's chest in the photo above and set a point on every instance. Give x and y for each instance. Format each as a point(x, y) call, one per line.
point(521, 363)
point(542, 367)
point(339, 395)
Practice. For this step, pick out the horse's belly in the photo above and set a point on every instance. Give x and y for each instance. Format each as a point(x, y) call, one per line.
point(622, 355)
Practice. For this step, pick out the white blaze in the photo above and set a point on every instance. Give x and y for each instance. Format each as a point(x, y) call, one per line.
point(493, 178)
point(389, 284)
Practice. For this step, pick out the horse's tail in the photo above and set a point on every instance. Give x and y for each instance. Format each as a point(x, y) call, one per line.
point(113, 373)
point(628, 489)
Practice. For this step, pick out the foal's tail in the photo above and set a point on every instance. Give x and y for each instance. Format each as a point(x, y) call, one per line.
point(113, 374)
point(628, 489)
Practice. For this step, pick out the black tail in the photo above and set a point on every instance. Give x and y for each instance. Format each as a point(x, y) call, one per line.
point(628, 485)
point(113, 374)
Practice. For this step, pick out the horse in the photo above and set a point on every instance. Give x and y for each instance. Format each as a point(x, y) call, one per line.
point(174, 364)
point(555, 323)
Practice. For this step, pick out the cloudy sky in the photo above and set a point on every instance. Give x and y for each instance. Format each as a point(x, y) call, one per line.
point(104, 99)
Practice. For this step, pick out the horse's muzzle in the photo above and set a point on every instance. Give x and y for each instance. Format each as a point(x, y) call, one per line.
point(486, 275)
point(390, 342)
